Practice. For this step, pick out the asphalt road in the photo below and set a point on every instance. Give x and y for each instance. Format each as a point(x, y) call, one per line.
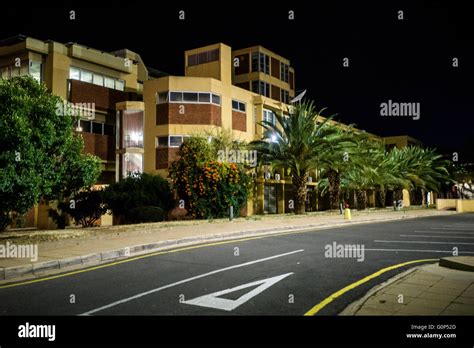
point(277, 275)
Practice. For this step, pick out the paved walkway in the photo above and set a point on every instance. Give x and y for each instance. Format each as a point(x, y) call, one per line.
point(84, 247)
point(424, 290)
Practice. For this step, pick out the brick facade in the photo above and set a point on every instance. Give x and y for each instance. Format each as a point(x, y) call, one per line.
point(103, 146)
point(164, 156)
point(206, 114)
point(239, 121)
point(104, 98)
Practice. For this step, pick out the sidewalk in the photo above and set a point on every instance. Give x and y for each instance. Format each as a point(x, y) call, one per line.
point(78, 247)
point(424, 290)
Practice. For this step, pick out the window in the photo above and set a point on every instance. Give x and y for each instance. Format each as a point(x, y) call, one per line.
point(269, 116)
point(109, 82)
point(86, 76)
point(238, 106)
point(264, 63)
point(35, 70)
point(109, 129)
point(255, 87)
point(98, 80)
point(162, 97)
point(74, 73)
point(255, 61)
point(204, 97)
point(284, 72)
point(285, 96)
point(260, 62)
point(216, 99)
point(85, 126)
point(176, 96)
point(89, 77)
point(162, 142)
point(264, 89)
point(4, 73)
point(261, 87)
point(203, 57)
point(97, 128)
point(132, 163)
point(176, 140)
point(119, 85)
point(190, 97)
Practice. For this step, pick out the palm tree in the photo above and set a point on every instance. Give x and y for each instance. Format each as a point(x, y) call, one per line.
point(420, 168)
point(296, 142)
point(336, 160)
point(365, 172)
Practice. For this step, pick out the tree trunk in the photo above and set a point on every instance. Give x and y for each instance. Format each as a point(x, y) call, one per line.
point(397, 194)
point(4, 220)
point(299, 184)
point(380, 196)
point(334, 180)
point(361, 199)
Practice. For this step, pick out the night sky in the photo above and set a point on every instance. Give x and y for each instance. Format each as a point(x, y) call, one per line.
point(404, 61)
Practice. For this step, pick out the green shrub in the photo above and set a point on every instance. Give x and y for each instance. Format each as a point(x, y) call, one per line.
point(136, 192)
point(87, 207)
point(145, 214)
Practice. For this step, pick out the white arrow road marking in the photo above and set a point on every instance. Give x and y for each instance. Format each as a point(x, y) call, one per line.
point(214, 301)
point(116, 303)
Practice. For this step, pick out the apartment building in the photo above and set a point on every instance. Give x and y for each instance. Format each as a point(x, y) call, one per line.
point(85, 77)
point(141, 115)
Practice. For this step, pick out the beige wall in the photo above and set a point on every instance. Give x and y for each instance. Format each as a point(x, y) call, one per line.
point(464, 205)
point(442, 204)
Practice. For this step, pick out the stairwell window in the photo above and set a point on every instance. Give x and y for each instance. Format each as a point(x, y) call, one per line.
point(260, 62)
point(269, 116)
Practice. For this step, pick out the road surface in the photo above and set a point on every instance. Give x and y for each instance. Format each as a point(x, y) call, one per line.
point(286, 274)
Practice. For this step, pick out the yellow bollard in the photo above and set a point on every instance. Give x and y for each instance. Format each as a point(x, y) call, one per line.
point(347, 214)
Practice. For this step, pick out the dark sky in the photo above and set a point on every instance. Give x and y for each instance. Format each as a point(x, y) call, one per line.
point(403, 61)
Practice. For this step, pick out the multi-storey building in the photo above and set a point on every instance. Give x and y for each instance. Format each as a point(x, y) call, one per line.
point(142, 115)
point(81, 76)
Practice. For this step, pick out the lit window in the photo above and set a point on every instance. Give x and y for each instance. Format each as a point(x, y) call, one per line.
point(109, 82)
point(98, 80)
point(86, 76)
point(119, 85)
point(74, 73)
point(4, 73)
point(269, 116)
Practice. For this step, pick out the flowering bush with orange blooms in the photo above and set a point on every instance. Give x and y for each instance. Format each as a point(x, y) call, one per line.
point(208, 187)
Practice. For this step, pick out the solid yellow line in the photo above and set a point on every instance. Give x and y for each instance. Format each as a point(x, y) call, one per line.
point(341, 292)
